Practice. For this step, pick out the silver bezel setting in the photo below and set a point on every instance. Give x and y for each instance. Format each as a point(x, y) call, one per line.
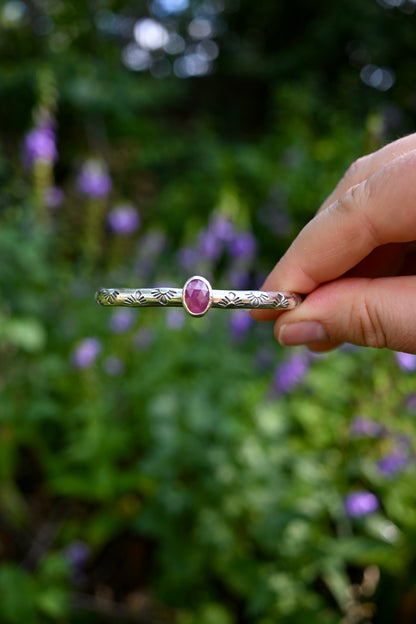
point(206, 282)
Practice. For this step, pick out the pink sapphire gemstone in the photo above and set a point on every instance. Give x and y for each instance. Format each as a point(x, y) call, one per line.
point(197, 296)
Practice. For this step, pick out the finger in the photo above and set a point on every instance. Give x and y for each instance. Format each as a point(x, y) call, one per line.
point(376, 313)
point(385, 261)
point(366, 166)
point(375, 212)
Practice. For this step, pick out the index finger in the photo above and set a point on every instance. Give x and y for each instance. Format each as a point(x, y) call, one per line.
point(379, 210)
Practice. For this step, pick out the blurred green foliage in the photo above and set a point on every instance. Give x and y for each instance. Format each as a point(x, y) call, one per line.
point(159, 468)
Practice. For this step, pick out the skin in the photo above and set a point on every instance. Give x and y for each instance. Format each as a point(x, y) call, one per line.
point(355, 261)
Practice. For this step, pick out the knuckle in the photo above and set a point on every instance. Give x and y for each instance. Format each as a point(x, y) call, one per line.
point(357, 196)
point(369, 323)
point(353, 199)
point(355, 171)
point(355, 202)
point(355, 174)
point(410, 159)
point(406, 165)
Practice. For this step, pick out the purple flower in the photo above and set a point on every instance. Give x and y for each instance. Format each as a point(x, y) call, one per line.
point(175, 318)
point(239, 278)
point(121, 320)
point(349, 348)
point(54, 196)
point(124, 219)
point(144, 338)
point(39, 144)
point(393, 463)
point(86, 352)
point(93, 179)
point(406, 361)
point(361, 426)
point(240, 323)
point(77, 553)
point(243, 246)
point(291, 372)
point(360, 503)
point(188, 258)
point(113, 366)
point(410, 403)
point(211, 240)
point(210, 245)
point(221, 228)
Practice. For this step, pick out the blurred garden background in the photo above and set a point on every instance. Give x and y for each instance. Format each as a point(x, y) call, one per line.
point(156, 468)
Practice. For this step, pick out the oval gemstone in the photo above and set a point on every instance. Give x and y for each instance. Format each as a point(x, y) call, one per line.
point(197, 296)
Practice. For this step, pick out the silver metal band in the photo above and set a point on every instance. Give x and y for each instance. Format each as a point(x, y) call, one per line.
point(197, 297)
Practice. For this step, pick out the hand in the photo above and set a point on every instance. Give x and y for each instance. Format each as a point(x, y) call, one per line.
point(356, 260)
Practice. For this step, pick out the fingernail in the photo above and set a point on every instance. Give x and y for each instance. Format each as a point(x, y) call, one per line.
point(302, 333)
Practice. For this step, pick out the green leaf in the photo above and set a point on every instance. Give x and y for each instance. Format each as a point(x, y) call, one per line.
point(17, 596)
point(53, 602)
point(27, 334)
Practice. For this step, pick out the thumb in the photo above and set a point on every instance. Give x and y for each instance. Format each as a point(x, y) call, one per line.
point(369, 312)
